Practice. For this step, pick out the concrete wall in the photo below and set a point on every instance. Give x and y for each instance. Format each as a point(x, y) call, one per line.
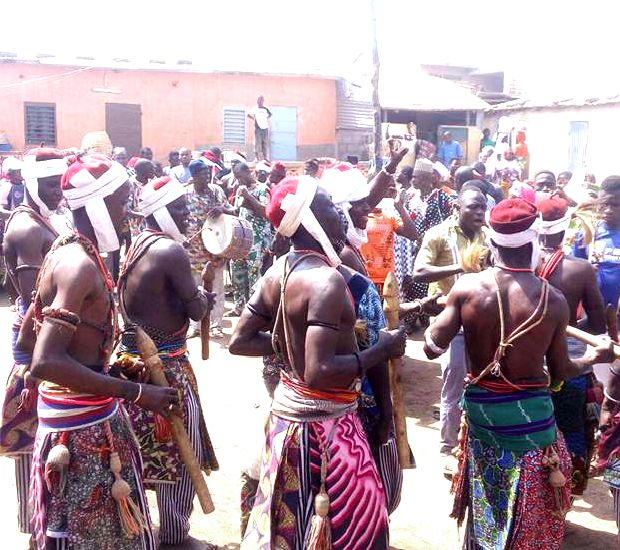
point(548, 137)
point(178, 109)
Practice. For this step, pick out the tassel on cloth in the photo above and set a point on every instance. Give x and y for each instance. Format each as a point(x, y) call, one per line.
point(27, 397)
point(132, 520)
point(557, 480)
point(320, 536)
point(57, 465)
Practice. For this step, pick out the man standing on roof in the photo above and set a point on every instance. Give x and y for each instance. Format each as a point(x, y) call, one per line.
point(261, 115)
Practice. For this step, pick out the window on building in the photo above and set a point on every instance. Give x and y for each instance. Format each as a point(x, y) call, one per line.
point(234, 125)
point(40, 122)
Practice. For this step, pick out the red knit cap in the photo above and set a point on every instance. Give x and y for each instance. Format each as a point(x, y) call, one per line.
point(273, 209)
point(552, 209)
point(512, 216)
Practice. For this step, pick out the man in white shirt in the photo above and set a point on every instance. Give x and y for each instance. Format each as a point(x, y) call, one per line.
point(181, 172)
point(261, 115)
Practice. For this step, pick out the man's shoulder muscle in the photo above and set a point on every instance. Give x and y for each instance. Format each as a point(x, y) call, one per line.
point(74, 271)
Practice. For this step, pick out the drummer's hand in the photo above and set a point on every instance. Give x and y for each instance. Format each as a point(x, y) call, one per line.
point(214, 213)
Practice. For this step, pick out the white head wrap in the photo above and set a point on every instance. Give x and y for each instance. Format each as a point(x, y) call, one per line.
point(444, 173)
point(555, 226)
point(516, 240)
point(154, 199)
point(262, 166)
point(297, 212)
point(84, 190)
point(32, 170)
point(346, 185)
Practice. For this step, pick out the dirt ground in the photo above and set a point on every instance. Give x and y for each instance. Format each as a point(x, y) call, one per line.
point(235, 401)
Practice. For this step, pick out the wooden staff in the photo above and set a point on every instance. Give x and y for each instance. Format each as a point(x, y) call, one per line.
point(208, 274)
point(148, 353)
point(391, 309)
point(590, 339)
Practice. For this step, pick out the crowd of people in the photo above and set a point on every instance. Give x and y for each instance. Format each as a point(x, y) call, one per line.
point(104, 253)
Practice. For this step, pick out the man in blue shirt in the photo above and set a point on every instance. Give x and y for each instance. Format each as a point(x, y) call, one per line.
point(449, 150)
point(604, 251)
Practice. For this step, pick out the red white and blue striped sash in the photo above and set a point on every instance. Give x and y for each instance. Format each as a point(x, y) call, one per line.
point(62, 410)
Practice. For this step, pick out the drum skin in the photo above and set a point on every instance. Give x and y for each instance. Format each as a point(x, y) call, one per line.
point(228, 236)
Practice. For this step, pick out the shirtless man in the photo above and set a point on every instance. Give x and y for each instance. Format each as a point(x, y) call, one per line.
point(28, 237)
point(575, 278)
point(314, 406)
point(513, 321)
point(80, 412)
point(158, 292)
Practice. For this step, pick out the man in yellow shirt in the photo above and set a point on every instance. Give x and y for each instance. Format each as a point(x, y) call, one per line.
point(454, 247)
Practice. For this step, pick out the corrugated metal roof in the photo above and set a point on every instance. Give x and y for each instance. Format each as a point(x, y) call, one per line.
point(173, 65)
point(355, 110)
point(529, 104)
point(418, 91)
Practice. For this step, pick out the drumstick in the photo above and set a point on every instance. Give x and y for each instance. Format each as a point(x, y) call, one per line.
point(590, 339)
point(208, 274)
point(391, 309)
point(148, 353)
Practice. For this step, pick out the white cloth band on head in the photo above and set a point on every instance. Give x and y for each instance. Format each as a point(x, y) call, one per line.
point(97, 212)
point(33, 170)
point(88, 188)
point(295, 206)
point(152, 200)
point(515, 240)
point(443, 172)
point(297, 212)
point(167, 224)
point(345, 185)
point(555, 226)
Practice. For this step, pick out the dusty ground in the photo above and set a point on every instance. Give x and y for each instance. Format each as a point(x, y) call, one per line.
point(232, 391)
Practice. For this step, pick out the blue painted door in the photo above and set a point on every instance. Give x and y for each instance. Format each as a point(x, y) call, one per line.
point(283, 133)
point(577, 145)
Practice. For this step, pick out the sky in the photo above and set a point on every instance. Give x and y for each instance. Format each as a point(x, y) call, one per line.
point(552, 47)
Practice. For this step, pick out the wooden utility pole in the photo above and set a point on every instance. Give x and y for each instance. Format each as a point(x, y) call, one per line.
point(375, 88)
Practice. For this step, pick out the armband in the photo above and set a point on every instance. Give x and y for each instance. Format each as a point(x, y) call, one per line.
point(61, 316)
point(428, 339)
point(389, 174)
point(324, 324)
point(612, 370)
point(254, 311)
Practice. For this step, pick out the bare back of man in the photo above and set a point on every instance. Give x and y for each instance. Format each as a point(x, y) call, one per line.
point(575, 278)
point(474, 302)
